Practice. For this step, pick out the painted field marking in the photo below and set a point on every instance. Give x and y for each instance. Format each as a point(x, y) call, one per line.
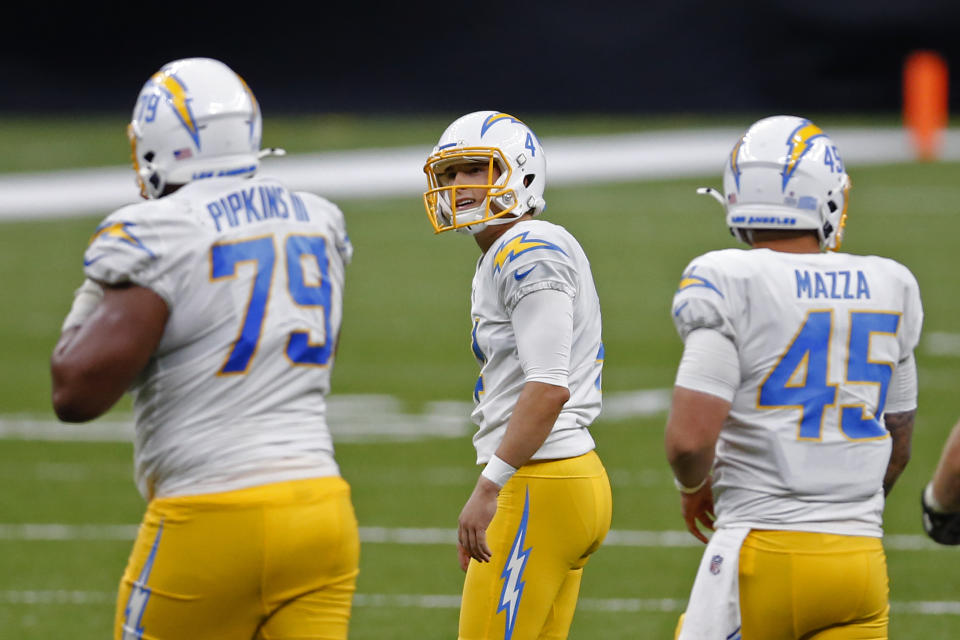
point(447, 601)
point(352, 418)
point(60, 532)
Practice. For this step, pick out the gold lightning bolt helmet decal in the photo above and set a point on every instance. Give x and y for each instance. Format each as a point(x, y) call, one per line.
point(798, 144)
point(176, 94)
point(735, 163)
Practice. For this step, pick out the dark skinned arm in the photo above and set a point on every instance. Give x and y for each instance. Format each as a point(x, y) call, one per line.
point(94, 364)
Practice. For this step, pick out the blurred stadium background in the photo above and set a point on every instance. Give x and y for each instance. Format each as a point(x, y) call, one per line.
point(636, 105)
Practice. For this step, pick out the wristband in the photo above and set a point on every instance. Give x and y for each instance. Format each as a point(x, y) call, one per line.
point(932, 502)
point(689, 490)
point(497, 471)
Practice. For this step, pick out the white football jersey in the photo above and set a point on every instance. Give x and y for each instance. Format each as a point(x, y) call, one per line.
point(818, 338)
point(252, 274)
point(531, 256)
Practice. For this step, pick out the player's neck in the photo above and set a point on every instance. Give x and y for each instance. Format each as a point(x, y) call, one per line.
point(489, 235)
point(799, 244)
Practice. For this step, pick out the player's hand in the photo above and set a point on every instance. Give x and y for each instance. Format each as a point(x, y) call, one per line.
point(463, 557)
point(473, 522)
point(941, 527)
point(698, 507)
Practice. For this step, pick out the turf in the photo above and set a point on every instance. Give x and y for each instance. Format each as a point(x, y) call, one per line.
point(405, 334)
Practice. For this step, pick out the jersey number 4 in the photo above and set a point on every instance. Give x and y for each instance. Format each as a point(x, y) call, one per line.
point(800, 378)
point(224, 259)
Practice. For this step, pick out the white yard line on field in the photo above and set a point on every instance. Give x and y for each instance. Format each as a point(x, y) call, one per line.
point(24, 597)
point(942, 343)
point(352, 418)
point(373, 173)
point(32, 532)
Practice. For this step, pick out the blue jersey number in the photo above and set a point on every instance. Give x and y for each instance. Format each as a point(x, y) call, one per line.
point(224, 259)
point(800, 378)
point(299, 349)
point(481, 360)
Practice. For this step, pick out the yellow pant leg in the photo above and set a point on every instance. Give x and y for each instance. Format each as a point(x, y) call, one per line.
point(311, 565)
point(560, 617)
point(800, 585)
point(201, 566)
point(550, 517)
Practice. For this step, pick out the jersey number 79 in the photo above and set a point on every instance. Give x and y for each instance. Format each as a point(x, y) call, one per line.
point(224, 259)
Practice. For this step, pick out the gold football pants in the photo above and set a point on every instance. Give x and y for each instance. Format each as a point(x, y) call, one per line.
point(550, 517)
point(815, 586)
point(273, 562)
point(798, 585)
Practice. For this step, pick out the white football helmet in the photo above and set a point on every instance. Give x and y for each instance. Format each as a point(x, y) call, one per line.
point(785, 173)
point(496, 139)
point(195, 118)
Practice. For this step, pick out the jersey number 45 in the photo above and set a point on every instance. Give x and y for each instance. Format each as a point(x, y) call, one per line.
point(799, 379)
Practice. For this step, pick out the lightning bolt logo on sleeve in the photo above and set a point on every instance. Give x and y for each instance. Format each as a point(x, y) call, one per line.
point(119, 231)
point(518, 245)
point(797, 146)
point(689, 280)
point(513, 573)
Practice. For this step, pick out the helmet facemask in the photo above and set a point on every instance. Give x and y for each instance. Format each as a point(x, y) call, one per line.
point(502, 143)
point(441, 196)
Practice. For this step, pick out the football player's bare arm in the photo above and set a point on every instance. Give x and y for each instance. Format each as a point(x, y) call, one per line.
point(946, 478)
point(532, 419)
point(900, 426)
point(94, 364)
point(693, 428)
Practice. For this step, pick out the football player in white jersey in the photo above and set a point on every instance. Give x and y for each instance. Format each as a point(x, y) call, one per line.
point(941, 497)
point(794, 401)
point(542, 503)
point(217, 302)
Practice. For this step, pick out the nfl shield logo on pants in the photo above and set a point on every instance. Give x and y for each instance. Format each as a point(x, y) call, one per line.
point(715, 563)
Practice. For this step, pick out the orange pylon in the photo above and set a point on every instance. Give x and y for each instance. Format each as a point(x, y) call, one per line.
point(925, 97)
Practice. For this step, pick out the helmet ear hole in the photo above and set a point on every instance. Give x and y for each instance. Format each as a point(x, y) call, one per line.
point(832, 205)
point(528, 179)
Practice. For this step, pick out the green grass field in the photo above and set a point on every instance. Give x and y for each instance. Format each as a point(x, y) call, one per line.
point(405, 334)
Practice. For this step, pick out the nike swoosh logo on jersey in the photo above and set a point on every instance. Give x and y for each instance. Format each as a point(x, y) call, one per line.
point(520, 276)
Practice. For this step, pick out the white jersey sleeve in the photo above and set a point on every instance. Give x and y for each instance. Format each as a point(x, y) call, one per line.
point(524, 264)
point(543, 324)
point(139, 245)
point(818, 338)
point(253, 277)
point(699, 302)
